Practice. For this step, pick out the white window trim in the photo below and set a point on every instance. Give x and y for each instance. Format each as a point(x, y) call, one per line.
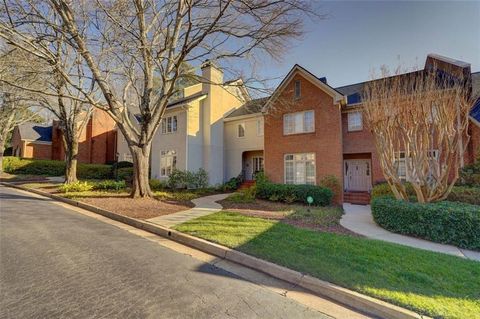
point(403, 159)
point(314, 167)
point(244, 130)
point(260, 124)
point(356, 128)
point(166, 156)
point(166, 120)
point(303, 118)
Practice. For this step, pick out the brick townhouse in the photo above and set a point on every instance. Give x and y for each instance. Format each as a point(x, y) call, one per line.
point(97, 142)
point(305, 131)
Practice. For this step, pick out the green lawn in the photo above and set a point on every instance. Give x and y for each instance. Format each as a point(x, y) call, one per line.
point(434, 284)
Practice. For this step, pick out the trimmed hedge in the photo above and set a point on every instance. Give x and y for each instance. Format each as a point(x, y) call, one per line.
point(16, 165)
point(443, 222)
point(294, 193)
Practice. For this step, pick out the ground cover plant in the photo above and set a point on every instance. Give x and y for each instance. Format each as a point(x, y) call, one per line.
point(433, 284)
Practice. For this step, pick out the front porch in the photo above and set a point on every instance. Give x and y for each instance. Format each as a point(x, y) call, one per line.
point(357, 170)
point(252, 163)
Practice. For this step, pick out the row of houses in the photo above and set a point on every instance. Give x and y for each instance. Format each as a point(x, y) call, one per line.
point(319, 132)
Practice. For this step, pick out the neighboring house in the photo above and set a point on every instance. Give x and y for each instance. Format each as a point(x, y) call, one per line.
point(97, 143)
point(304, 132)
point(32, 140)
point(191, 135)
point(320, 132)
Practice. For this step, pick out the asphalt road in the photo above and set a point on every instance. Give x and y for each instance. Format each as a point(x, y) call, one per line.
point(57, 263)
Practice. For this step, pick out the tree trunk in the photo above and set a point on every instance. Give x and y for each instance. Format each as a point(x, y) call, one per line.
point(71, 154)
point(2, 149)
point(141, 164)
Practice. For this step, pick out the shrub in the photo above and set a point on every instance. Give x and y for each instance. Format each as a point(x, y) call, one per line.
point(76, 187)
point(177, 179)
point(109, 185)
point(16, 165)
point(94, 171)
point(157, 185)
point(197, 179)
point(232, 184)
point(181, 179)
point(470, 175)
point(294, 193)
point(444, 222)
point(465, 194)
point(383, 189)
point(331, 182)
point(245, 196)
point(125, 174)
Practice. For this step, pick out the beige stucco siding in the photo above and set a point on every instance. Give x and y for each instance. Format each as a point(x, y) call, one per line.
point(172, 141)
point(235, 146)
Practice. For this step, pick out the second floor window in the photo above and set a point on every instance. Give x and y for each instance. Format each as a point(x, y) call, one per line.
point(298, 89)
point(168, 162)
point(241, 130)
point(169, 124)
point(355, 121)
point(260, 129)
point(300, 122)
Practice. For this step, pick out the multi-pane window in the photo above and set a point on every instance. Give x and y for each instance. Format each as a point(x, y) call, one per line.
point(355, 122)
point(260, 127)
point(300, 168)
point(298, 89)
point(168, 162)
point(169, 124)
point(241, 130)
point(401, 164)
point(300, 122)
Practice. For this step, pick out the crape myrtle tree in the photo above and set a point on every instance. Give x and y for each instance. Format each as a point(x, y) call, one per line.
point(128, 46)
point(424, 116)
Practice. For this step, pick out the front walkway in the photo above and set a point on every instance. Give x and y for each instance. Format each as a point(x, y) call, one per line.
point(358, 218)
point(203, 206)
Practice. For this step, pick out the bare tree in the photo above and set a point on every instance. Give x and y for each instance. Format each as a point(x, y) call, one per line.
point(420, 118)
point(126, 44)
point(16, 106)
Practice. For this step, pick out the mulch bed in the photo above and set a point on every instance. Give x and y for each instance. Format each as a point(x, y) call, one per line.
point(141, 208)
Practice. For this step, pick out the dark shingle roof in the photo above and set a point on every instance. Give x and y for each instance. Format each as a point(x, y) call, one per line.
point(35, 132)
point(251, 107)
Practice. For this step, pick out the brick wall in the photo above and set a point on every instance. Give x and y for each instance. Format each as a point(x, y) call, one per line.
point(36, 150)
point(97, 141)
point(361, 145)
point(325, 142)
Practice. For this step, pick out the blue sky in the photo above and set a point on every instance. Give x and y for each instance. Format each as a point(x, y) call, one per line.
point(360, 36)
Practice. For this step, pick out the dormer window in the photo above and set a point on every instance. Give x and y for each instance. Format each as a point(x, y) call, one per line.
point(297, 89)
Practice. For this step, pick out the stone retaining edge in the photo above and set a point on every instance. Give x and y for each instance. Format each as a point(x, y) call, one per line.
point(342, 295)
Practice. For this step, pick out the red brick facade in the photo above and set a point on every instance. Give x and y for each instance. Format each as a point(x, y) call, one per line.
point(331, 141)
point(325, 141)
point(97, 142)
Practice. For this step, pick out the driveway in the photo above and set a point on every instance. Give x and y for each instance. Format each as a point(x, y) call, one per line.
point(57, 263)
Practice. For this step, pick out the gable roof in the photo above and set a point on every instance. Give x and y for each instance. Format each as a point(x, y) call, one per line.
point(251, 107)
point(35, 132)
point(321, 83)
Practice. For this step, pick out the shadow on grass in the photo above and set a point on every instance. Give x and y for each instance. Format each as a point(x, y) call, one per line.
point(430, 283)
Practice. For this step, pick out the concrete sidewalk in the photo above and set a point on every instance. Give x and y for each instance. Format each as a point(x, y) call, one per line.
point(358, 218)
point(203, 206)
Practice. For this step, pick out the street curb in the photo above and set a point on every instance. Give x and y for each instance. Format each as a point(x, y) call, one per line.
point(342, 295)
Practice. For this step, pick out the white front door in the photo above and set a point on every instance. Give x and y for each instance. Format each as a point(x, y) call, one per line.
point(357, 175)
